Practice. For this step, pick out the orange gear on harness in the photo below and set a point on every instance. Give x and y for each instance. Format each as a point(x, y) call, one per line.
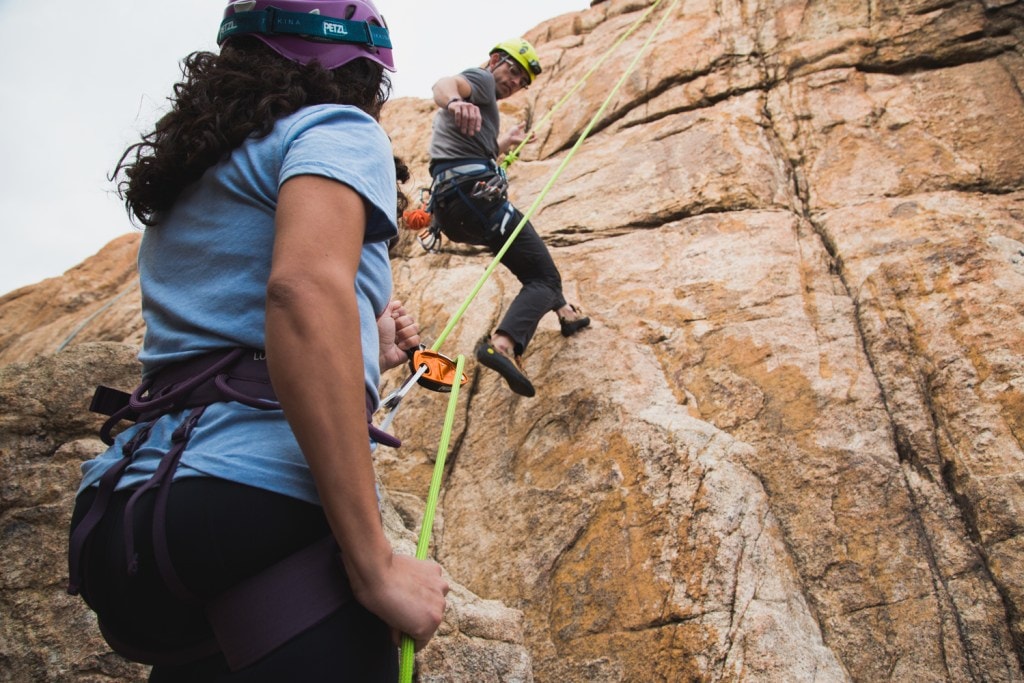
point(417, 219)
point(421, 220)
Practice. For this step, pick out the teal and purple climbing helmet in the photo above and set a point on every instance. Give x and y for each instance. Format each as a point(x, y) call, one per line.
point(333, 32)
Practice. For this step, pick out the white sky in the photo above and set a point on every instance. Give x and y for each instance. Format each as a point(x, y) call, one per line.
point(80, 81)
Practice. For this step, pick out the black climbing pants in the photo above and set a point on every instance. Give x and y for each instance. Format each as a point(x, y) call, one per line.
point(220, 533)
point(489, 223)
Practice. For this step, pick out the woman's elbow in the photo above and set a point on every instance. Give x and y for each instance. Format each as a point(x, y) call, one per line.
point(284, 292)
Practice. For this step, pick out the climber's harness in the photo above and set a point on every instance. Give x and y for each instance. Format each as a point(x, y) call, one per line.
point(447, 174)
point(468, 179)
point(253, 618)
point(476, 184)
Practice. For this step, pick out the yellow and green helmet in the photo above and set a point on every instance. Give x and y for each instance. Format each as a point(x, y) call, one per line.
point(520, 50)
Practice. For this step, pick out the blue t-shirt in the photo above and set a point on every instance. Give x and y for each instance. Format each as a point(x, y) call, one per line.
point(204, 270)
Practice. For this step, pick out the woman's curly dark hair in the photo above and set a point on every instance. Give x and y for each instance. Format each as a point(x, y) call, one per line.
point(224, 99)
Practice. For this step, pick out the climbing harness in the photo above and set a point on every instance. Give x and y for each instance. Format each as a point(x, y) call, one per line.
point(250, 619)
point(451, 178)
point(456, 181)
point(479, 185)
point(407, 655)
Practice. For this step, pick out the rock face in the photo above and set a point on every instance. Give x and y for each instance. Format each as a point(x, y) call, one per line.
point(789, 447)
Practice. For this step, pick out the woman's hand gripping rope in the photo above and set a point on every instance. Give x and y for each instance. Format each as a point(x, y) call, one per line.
point(407, 593)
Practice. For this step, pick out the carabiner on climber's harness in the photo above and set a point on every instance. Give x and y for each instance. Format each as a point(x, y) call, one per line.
point(496, 187)
point(430, 238)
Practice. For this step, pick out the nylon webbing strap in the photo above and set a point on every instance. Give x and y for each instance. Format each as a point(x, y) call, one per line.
point(407, 656)
point(273, 21)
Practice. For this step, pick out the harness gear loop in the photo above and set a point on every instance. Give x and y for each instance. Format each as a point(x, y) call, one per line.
point(467, 180)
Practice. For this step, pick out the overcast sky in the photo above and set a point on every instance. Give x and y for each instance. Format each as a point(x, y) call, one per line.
point(81, 81)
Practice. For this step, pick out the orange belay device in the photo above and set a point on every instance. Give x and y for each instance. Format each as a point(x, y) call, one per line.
point(432, 370)
point(440, 370)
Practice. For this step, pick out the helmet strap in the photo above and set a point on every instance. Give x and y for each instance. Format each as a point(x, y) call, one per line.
point(272, 21)
point(491, 64)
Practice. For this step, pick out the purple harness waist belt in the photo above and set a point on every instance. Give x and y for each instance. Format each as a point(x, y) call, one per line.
point(298, 592)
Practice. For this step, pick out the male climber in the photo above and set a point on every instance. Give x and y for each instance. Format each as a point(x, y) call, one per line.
point(471, 200)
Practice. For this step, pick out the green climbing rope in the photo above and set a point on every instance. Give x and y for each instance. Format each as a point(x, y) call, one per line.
point(407, 655)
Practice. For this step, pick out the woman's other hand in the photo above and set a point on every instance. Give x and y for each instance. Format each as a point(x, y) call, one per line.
point(398, 333)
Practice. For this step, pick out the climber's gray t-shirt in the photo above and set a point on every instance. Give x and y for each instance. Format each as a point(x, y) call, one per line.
point(448, 143)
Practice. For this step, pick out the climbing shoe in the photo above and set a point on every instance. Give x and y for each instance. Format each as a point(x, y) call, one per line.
point(571, 326)
point(505, 366)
